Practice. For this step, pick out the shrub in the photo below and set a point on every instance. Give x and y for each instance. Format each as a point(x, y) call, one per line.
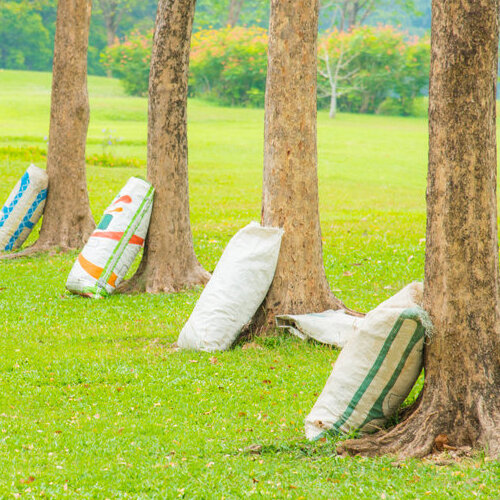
point(381, 71)
point(129, 60)
point(229, 65)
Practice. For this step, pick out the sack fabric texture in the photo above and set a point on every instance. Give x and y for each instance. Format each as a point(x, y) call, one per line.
point(23, 208)
point(113, 246)
point(375, 371)
point(329, 327)
point(236, 289)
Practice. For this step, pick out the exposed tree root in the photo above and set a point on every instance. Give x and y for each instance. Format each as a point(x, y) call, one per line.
point(151, 280)
point(34, 250)
point(429, 430)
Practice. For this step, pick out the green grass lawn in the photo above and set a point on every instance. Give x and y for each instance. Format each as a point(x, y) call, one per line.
point(93, 401)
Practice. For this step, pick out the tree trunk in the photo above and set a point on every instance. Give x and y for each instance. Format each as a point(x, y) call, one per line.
point(461, 399)
point(67, 220)
point(233, 15)
point(169, 263)
point(333, 102)
point(290, 190)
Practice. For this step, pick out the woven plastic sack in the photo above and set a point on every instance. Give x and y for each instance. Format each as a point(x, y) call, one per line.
point(376, 370)
point(113, 246)
point(236, 289)
point(329, 327)
point(23, 208)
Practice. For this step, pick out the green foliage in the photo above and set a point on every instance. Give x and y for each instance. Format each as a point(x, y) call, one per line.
point(213, 14)
point(386, 72)
point(94, 402)
point(130, 60)
point(24, 41)
point(229, 65)
point(379, 69)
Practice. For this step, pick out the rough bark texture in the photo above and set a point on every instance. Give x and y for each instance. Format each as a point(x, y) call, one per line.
point(67, 220)
point(169, 263)
point(461, 397)
point(290, 192)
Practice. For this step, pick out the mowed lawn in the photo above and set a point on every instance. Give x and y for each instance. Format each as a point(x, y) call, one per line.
point(94, 402)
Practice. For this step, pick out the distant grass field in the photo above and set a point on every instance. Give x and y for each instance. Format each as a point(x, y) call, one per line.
point(93, 401)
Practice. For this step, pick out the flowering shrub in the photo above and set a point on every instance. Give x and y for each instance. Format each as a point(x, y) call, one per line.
point(377, 68)
point(129, 60)
point(229, 65)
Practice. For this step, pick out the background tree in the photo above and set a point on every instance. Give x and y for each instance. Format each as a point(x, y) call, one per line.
point(24, 40)
point(290, 190)
point(346, 14)
point(67, 220)
point(169, 263)
point(336, 68)
point(460, 401)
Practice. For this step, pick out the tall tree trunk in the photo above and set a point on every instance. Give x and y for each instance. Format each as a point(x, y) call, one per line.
point(290, 190)
point(461, 397)
point(169, 263)
point(67, 220)
point(234, 12)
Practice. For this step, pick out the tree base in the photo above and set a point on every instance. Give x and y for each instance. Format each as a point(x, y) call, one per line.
point(428, 430)
point(150, 279)
point(35, 249)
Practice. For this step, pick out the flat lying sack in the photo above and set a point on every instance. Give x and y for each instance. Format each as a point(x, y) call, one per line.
point(329, 327)
point(376, 370)
point(23, 208)
point(236, 289)
point(113, 246)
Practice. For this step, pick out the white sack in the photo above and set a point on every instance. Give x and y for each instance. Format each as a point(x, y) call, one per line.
point(23, 208)
point(236, 289)
point(113, 246)
point(376, 370)
point(329, 327)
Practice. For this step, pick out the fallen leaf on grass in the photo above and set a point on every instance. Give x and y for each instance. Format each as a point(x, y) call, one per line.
point(347, 273)
point(213, 360)
point(28, 480)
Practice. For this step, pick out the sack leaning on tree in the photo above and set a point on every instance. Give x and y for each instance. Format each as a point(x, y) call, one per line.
point(23, 208)
point(376, 370)
point(113, 246)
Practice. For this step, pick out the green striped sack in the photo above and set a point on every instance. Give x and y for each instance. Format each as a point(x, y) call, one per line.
point(376, 370)
point(113, 246)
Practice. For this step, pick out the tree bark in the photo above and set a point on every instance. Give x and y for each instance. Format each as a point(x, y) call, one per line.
point(290, 188)
point(234, 12)
point(460, 398)
point(169, 263)
point(67, 220)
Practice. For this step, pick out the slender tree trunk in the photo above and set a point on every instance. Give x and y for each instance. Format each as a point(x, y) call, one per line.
point(169, 263)
point(110, 33)
point(233, 15)
point(460, 401)
point(333, 102)
point(67, 220)
point(290, 191)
